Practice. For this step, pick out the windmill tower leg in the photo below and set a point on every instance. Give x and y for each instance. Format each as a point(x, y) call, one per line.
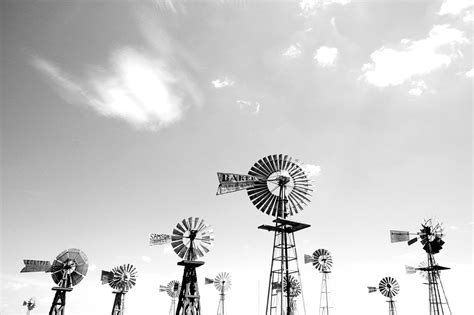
point(188, 302)
point(391, 307)
point(324, 298)
point(220, 308)
point(119, 304)
point(437, 299)
point(59, 301)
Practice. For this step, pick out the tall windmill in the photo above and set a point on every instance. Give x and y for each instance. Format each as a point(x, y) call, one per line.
point(278, 186)
point(322, 261)
point(430, 235)
point(222, 282)
point(67, 270)
point(191, 239)
point(30, 305)
point(121, 279)
point(172, 289)
point(388, 287)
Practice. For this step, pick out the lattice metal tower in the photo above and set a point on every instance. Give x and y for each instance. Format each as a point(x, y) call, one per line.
point(322, 261)
point(278, 186)
point(430, 236)
point(121, 279)
point(191, 239)
point(67, 270)
point(388, 287)
point(172, 289)
point(222, 282)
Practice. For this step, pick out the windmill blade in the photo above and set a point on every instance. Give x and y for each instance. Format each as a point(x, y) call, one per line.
point(399, 236)
point(36, 266)
point(389, 287)
point(308, 259)
point(106, 276)
point(159, 239)
point(372, 289)
point(208, 281)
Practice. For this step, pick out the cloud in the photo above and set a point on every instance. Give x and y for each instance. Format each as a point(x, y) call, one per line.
point(293, 51)
point(136, 88)
point(310, 7)
point(454, 7)
point(470, 73)
point(146, 259)
point(221, 83)
point(326, 56)
point(311, 170)
point(250, 107)
point(415, 58)
point(419, 87)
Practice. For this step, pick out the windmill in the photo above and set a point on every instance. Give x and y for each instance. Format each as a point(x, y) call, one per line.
point(278, 186)
point(388, 287)
point(121, 279)
point(67, 270)
point(191, 239)
point(322, 261)
point(172, 289)
point(30, 305)
point(292, 289)
point(430, 235)
point(222, 282)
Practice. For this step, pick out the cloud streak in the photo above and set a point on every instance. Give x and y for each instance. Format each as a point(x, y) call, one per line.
point(136, 88)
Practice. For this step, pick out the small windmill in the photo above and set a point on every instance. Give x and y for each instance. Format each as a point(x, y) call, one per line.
point(322, 261)
point(121, 279)
point(67, 270)
point(172, 289)
point(292, 289)
point(388, 287)
point(430, 236)
point(278, 186)
point(191, 239)
point(222, 282)
point(30, 305)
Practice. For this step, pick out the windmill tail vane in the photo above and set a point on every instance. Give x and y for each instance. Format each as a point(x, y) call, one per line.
point(372, 289)
point(106, 276)
point(410, 269)
point(230, 182)
point(163, 288)
point(208, 281)
point(36, 266)
point(308, 259)
point(159, 239)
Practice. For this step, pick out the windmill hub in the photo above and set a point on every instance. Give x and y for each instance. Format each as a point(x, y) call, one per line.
point(69, 266)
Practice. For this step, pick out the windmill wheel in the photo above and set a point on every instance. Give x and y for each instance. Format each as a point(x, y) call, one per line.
point(69, 267)
point(173, 288)
point(431, 235)
point(192, 238)
point(295, 286)
point(322, 260)
point(389, 287)
point(123, 277)
point(279, 176)
point(223, 282)
point(30, 304)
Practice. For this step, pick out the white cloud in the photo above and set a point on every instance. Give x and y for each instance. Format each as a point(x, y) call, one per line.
point(415, 58)
point(221, 83)
point(326, 56)
point(293, 51)
point(469, 17)
point(454, 7)
point(310, 7)
point(470, 73)
point(136, 88)
point(311, 170)
point(250, 107)
point(419, 87)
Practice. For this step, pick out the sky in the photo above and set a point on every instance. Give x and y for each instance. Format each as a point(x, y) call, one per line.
point(116, 116)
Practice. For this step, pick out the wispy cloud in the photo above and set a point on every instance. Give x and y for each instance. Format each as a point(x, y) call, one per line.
point(454, 7)
point(310, 7)
point(326, 56)
point(418, 88)
point(293, 51)
point(135, 87)
point(470, 73)
point(222, 83)
point(249, 107)
point(415, 58)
